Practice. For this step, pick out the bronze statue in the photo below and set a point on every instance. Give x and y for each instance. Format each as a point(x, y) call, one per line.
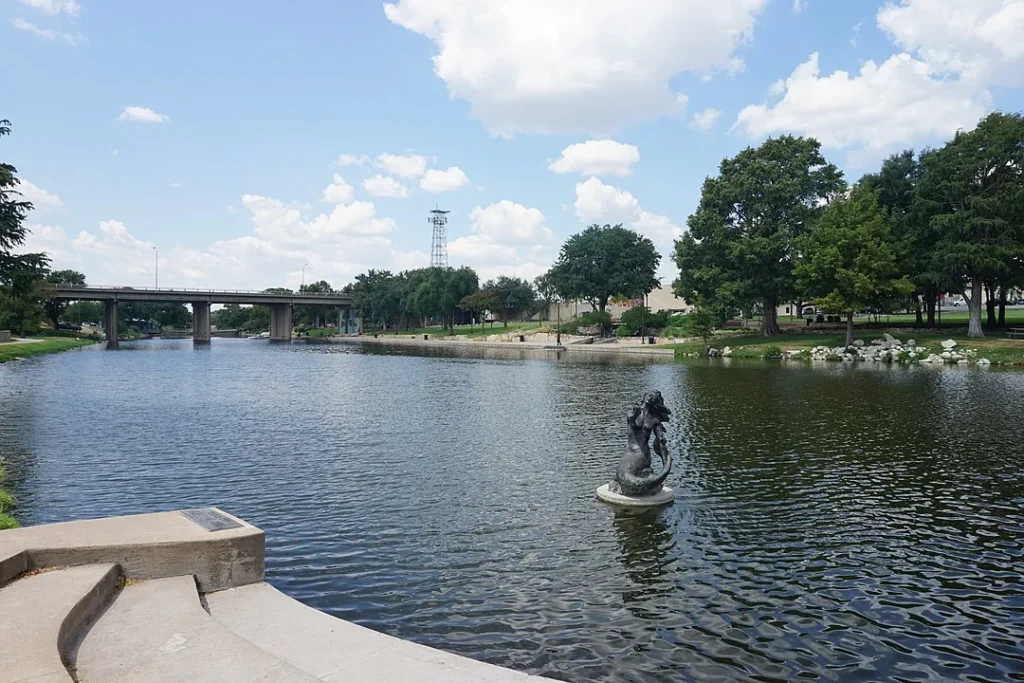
point(634, 476)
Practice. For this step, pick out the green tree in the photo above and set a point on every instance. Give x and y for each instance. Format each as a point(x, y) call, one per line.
point(973, 188)
point(479, 302)
point(742, 241)
point(512, 295)
point(20, 274)
point(849, 261)
point(605, 262)
point(378, 296)
point(547, 293)
point(310, 315)
point(54, 308)
point(702, 322)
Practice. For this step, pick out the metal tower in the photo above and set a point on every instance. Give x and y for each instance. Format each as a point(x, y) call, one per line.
point(439, 241)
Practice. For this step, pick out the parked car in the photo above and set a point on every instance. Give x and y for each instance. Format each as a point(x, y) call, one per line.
point(70, 326)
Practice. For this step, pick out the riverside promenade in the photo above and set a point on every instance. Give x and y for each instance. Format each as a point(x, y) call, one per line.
point(546, 343)
point(179, 597)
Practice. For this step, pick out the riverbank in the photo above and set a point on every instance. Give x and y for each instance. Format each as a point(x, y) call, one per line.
point(915, 346)
point(35, 346)
point(6, 502)
point(536, 342)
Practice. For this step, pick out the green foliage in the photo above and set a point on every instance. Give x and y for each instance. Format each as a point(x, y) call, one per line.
point(702, 323)
point(600, 319)
point(848, 261)
point(605, 262)
point(20, 274)
point(54, 308)
point(311, 315)
point(973, 191)
point(6, 502)
point(742, 240)
point(511, 295)
point(163, 314)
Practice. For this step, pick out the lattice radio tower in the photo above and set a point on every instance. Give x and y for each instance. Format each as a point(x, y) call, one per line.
point(439, 242)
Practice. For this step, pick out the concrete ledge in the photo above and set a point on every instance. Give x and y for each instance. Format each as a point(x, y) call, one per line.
point(12, 563)
point(41, 615)
point(151, 546)
point(337, 651)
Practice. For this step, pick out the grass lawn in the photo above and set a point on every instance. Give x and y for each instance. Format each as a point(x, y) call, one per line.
point(997, 348)
point(6, 501)
point(38, 347)
point(466, 330)
point(951, 317)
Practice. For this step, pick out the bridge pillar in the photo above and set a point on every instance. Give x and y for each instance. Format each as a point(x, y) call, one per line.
point(281, 322)
point(201, 321)
point(110, 308)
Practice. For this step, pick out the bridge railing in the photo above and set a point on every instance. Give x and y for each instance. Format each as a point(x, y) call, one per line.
point(165, 290)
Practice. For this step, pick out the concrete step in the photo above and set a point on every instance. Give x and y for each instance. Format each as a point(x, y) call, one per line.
point(42, 615)
point(337, 651)
point(158, 632)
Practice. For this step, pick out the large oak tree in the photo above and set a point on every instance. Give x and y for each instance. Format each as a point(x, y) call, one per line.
point(973, 189)
point(742, 243)
point(603, 262)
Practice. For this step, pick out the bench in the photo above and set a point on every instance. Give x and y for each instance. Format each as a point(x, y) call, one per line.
point(1015, 333)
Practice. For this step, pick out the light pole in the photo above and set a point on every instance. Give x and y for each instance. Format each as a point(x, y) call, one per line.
point(303, 275)
point(156, 268)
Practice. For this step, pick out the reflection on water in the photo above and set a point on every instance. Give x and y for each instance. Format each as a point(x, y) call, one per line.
point(833, 524)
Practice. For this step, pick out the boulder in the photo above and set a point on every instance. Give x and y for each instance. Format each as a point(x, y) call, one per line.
point(911, 342)
point(962, 361)
point(984, 361)
point(891, 339)
point(727, 352)
point(947, 355)
point(877, 342)
point(949, 344)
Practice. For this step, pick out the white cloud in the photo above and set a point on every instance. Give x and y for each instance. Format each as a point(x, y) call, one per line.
point(352, 160)
point(339, 191)
point(42, 200)
point(597, 157)
point(597, 202)
point(873, 111)
point(978, 40)
point(337, 245)
point(507, 239)
point(44, 33)
point(572, 65)
point(954, 52)
point(142, 115)
point(705, 120)
point(798, 6)
point(175, 185)
point(53, 7)
point(444, 181)
point(383, 186)
point(403, 165)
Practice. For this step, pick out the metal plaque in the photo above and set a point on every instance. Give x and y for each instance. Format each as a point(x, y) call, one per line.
point(210, 519)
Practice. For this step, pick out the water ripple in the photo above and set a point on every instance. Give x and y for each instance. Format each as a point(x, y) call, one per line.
point(831, 524)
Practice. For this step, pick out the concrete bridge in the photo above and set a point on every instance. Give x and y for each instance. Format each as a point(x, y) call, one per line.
point(279, 303)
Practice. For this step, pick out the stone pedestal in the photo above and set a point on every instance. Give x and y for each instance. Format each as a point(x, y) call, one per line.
point(663, 497)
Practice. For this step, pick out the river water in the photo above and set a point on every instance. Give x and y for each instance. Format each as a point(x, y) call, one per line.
point(835, 523)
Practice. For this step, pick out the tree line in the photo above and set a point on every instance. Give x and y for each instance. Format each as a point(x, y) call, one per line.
point(780, 224)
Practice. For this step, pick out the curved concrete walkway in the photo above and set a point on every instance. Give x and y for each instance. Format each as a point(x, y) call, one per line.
point(121, 600)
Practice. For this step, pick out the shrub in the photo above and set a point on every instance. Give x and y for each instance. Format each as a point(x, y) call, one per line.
point(623, 331)
point(675, 331)
point(6, 501)
point(602, 319)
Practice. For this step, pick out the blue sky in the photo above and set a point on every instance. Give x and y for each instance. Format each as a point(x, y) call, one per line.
point(215, 131)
